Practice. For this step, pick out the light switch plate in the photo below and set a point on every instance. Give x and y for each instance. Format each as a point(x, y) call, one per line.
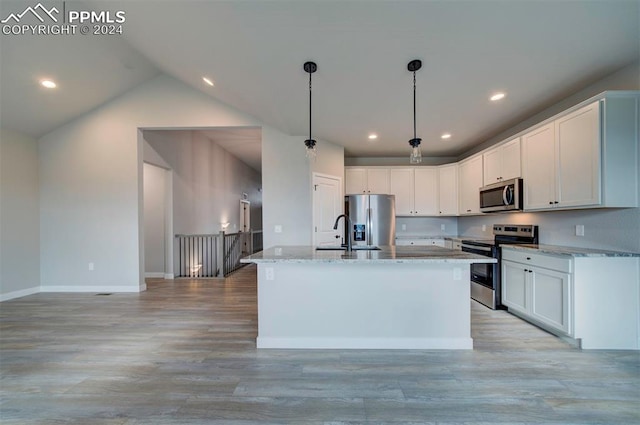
point(442, 227)
point(277, 228)
point(579, 229)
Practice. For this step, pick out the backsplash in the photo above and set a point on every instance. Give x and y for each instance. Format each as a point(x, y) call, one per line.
point(614, 229)
point(428, 226)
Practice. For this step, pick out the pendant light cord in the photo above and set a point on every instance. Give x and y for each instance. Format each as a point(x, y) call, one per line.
point(309, 106)
point(414, 104)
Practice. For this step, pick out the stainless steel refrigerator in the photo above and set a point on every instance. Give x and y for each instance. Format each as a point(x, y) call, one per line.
point(373, 219)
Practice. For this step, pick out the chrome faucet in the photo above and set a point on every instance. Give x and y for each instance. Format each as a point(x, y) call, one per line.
point(347, 222)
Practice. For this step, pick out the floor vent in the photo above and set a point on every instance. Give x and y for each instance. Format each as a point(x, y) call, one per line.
point(104, 294)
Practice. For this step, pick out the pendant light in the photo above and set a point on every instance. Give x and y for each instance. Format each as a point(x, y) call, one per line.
point(310, 67)
point(416, 154)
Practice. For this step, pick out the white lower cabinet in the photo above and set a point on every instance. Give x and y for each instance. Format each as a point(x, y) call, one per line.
point(537, 286)
point(592, 299)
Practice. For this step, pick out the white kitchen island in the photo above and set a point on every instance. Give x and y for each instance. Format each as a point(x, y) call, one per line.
point(395, 298)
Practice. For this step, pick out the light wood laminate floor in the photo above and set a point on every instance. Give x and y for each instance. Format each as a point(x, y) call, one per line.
point(183, 352)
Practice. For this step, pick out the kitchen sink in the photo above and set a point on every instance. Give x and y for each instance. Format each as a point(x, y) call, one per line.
point(344, 248)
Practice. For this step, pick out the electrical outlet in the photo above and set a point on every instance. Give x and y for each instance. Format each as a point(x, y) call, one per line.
point(484, 227)
point(404, 227)
point(442, 227)
point(579, 229)
point(277, 228)
point(457, 273)
point(269, 273)
point(91, 266)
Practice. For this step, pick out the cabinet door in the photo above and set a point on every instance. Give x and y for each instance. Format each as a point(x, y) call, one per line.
point(492, 165)
point(378, 181)
point(514, 286)
point(448, 189)
point(401, 185)
point(511, 160)
point(550, 302)
point(355, 181)
point(578, 157)
point(425, 191)
point(470, 174)
point(538, 168)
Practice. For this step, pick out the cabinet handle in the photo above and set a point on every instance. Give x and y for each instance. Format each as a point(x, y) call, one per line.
point(550, 202)
point(528, 258)
point(555, 202)
point(468, 210)
point(526, 270)
point(530, 271)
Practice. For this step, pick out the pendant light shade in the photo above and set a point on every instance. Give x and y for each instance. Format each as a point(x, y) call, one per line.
point(310, 68)
point(416, 153)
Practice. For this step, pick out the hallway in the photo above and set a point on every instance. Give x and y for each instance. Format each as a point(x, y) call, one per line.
point(183, 352)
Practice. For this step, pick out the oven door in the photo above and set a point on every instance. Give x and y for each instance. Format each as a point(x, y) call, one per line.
point(482, 273)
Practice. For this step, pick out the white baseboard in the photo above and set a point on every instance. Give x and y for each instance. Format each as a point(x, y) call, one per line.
point(169, 276)
point(19, 294)
point(367, 343)
point(158, 275)
point(99, 289)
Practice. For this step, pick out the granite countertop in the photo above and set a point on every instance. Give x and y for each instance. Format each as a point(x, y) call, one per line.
point(387, 254)
point(572, 251)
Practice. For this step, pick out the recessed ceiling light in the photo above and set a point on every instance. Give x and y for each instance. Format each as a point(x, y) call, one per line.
point(48, 84)
point(497, 96)
point(446, 136)
point(373, 136)
point(208, 81)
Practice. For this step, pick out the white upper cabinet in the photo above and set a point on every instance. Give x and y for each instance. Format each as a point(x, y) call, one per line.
point(583, 159)
point(416, 191)
point(502, 162)
point(401, 182)
point(470, 181)
point(366, 181)
point(425, 189)
point(539, 168)
point(448, 189)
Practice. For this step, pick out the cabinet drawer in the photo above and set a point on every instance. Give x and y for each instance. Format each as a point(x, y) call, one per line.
point(552, 262)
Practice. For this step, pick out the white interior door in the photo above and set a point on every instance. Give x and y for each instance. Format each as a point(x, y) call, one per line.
point(245, 215)
point(327, 205)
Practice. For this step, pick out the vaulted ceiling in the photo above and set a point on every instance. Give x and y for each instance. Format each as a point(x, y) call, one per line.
point(537, 52)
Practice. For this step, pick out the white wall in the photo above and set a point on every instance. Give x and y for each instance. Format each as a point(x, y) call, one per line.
point(19, 222)
point(154, 220)
point(91, 184)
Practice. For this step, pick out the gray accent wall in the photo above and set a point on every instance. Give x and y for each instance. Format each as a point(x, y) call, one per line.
point(19, 215)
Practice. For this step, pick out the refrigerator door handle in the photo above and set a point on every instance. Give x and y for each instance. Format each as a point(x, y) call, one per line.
point(369, 224)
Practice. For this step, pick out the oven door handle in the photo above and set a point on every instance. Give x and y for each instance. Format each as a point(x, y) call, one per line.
point(476, 249)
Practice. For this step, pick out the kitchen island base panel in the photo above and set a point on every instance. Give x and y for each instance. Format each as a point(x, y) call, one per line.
point(364, 306)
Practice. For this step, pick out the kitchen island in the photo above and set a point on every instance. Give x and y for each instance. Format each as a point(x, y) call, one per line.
point(395, 298)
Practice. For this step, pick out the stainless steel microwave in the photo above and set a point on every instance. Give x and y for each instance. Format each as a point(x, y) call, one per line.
point(502, 196)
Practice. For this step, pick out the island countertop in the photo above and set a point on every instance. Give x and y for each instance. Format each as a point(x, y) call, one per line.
point(386, 254)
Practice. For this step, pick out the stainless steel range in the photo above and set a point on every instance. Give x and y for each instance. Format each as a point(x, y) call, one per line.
point(485, 278)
